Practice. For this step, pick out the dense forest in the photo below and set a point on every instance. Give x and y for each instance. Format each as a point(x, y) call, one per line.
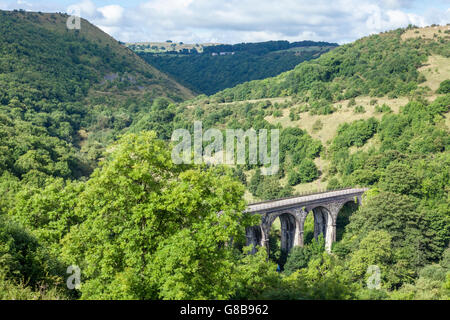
point(87, 180)
point(54, 83)
point(378, 65)
point(224, 66)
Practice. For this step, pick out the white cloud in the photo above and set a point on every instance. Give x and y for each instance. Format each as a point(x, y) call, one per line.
point(379, 20)
point(85, 8)
point(108, 18)
point(112, 14)
point(256, 20)
point(232, 21)
point(22, 2)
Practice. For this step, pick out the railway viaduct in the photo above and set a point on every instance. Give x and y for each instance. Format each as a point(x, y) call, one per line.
point(293, 211)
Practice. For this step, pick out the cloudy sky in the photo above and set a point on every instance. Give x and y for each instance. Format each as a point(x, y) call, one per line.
point(233, 21)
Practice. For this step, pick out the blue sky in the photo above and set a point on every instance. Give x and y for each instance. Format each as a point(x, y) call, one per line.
point(233, 21)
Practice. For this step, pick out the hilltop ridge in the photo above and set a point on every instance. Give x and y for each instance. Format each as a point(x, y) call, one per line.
point(57, 22)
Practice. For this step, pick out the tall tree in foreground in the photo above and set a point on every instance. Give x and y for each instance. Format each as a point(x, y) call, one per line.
point(153, 229)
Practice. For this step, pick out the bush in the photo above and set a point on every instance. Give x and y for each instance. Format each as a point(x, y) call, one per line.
point(351, 103)
point(294, 177)
point(383, 109)
point(308, 171)
point(293, 116)
point(299, 257)
point(268, 187)
point(321, 107)
point(359, 109)
point(334, 183)
point(317, 126)
point(11, 290)
point(444, 87)
point(277, 114)
point(399, 178)
point(355, 133)
point(22, 259)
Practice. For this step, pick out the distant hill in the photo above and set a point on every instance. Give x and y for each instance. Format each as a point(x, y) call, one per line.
point(209, 68)
point(168, 47)
point(383, 64)
point(64, 90)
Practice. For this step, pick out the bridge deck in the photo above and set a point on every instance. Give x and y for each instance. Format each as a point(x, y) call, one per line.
point(267, 205)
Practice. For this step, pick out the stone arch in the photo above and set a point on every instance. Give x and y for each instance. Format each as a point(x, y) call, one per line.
point(343, 214)
point(333, 209)
point(322, 219)
point(280, 242)
point(254, 237)
point(288, 228)
point(288, 231)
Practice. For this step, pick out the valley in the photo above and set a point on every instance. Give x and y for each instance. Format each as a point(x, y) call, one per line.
point(88, 182)
point(210, 68)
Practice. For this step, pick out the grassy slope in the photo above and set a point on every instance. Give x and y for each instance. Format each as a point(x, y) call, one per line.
point(436, 70)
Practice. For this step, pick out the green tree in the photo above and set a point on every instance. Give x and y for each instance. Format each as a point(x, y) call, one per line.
point(254, 274)
point(399, 178)
point(153, 229)
point(299, 257)
point(444, 87)
point(409, 232)
point(374, 249)
point(48, 211)
point(24, 261)
point(270, 188)
point(307, 171)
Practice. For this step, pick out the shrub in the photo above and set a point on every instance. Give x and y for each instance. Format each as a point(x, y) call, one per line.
point(321, 107)
point(444, 87)
point(354, 133)
point(277, 114)
point(294, 177)
point(308, 171)
point(383, 109)
point(359, 109)
point(293, 115)
point(317, 126)
point(23, 259)
point(299, 257)
point(334, 183)
point(399, 178)
point(351, 103)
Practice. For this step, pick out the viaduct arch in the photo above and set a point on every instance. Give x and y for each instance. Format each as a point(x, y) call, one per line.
point(292, 213)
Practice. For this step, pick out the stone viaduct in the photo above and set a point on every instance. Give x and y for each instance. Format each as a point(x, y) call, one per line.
point(293, 211)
